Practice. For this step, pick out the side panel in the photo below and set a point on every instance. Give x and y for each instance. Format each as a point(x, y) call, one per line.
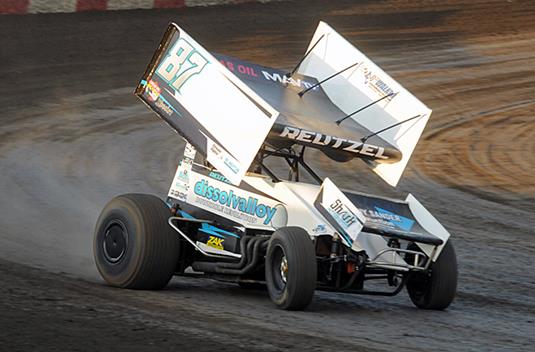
point(363, 84)
point(205, 103)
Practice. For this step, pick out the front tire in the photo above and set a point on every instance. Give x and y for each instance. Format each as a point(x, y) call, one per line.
point(435, 289)
point(291, 270)
point(134, 246)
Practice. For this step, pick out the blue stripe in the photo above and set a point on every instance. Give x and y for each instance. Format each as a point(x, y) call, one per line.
point(210, 232)
point(209, 229)
point(213, 228)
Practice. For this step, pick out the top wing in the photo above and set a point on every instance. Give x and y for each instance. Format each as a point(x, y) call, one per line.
point(227, 108)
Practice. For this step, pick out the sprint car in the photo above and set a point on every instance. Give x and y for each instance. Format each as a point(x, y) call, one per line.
point(231, 216)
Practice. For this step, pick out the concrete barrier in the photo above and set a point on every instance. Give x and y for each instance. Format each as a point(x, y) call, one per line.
point(48, 6)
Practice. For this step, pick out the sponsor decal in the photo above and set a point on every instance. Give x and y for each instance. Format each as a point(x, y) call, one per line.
point(321, 228)
point(377, 84)
point(231, 165)
point(241, 68)
point(228, 200)
point(183, 172)
point(343, 214)
point(153, 90)
point(215, 242)
point(164, 107)
point(180, 186)
point(222, 160)
point(325, 140)
point(387, 218)
point(218, 176)
point(181, 63)
point(339, 212)
point(253, 71)
point(215, 149)
point(283, 79)
point(173, 193)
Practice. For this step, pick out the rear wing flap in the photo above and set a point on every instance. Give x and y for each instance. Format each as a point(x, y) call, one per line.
point(406, 220)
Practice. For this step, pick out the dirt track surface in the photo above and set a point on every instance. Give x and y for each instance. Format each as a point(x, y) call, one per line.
point(72, 136)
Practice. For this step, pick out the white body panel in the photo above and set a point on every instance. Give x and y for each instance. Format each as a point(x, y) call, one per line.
point(269, 206)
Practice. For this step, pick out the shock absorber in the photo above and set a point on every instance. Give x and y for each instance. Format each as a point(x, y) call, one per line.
point(334, 256)
point(335, 246)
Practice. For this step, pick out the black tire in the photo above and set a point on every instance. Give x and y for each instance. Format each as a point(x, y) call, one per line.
point(134, 246)
point(436, 289)
point(294, 289)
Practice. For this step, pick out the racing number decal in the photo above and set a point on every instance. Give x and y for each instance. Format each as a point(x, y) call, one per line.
point(180, 64)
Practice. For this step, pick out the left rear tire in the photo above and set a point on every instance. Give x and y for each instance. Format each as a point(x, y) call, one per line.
point(134, 246)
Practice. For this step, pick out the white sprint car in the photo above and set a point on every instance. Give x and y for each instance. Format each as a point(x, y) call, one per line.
point(229, 216)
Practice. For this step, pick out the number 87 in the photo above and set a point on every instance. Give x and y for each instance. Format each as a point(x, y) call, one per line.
point(173, 67)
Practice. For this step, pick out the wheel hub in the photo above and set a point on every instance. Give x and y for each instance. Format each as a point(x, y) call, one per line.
point(114, 243)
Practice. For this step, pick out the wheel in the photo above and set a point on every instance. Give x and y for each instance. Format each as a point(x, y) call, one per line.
point(435, 289)
point(291, 270)
point(134, 246)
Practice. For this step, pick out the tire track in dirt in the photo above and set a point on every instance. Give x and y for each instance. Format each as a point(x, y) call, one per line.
point(485, 144)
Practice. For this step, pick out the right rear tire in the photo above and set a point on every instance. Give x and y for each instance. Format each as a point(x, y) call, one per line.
point(435, 289)
point(291, 269)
